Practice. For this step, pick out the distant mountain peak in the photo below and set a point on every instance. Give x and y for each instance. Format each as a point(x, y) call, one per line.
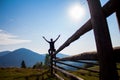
point(22, 49)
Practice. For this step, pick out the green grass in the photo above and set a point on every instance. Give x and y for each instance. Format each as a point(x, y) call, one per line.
point(86, 75)
point(118, 66)
point(21, 74)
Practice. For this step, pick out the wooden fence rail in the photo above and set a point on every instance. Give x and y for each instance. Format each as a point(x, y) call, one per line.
point(71, 76)
point(78, 67)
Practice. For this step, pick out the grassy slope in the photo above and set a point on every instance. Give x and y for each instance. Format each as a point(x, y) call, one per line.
point(86, 75)
point(11, 73)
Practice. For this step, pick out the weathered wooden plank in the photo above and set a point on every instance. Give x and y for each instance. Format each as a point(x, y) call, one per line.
point(78, 67)
point(108, 9)
point(73, 77)
point(85, 28)
point(59, 77)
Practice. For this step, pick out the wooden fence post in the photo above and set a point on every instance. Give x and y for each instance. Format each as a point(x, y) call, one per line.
point(103, 42)
point(55, 61)
point(51, 62)
point(37, 78)
point(26, 78)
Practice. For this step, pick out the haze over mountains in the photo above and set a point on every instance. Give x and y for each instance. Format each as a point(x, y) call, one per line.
point(14, 58)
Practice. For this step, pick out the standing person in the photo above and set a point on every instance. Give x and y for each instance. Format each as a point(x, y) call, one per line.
point(51, 43)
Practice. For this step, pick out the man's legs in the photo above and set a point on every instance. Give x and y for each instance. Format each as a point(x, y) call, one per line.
point(49, 51)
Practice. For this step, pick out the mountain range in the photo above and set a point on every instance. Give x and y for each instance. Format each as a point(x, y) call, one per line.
point(14, 58)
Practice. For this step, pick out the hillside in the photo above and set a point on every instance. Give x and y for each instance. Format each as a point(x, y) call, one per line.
point(14, 59)
point(92, 55)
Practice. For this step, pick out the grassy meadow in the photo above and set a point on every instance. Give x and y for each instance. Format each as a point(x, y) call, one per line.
point(23, 74)
point(34, 74)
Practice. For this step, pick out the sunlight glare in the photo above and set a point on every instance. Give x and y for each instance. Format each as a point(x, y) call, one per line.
point(76, 12)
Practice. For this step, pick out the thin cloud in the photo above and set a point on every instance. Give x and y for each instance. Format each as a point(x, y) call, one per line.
point(9, 39)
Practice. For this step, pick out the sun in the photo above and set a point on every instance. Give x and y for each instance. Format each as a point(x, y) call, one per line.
point(76, 12)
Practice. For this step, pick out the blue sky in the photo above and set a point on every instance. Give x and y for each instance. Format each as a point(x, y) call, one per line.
point(24, 22)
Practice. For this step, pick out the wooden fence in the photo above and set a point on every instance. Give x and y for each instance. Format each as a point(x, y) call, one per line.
point(105, 55)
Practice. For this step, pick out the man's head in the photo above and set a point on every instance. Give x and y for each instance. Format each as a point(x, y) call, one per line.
point(51, 40)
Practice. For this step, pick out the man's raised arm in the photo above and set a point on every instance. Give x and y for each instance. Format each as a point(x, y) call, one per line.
point(45, 39)
point(57, 38)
